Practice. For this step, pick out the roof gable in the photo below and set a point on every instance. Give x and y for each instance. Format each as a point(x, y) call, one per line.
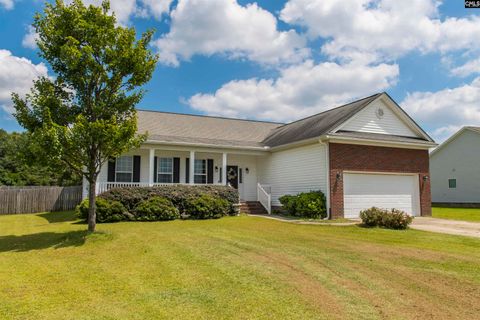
point(380, 118)
point(316, 125)
point(454, 137)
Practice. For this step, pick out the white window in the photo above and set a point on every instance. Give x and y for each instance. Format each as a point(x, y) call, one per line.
point(200, 175)
point(124, 169)
point(165, 170)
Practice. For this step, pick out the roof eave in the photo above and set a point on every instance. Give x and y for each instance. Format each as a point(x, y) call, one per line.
point(364, 141)
point(206, 145)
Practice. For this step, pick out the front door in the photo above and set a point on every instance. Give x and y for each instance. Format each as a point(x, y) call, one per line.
point(232, 176)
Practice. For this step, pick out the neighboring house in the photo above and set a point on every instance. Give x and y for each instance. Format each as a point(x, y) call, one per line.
point(455, 169)
point(363, 154)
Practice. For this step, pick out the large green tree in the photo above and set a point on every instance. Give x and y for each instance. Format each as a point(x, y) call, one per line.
point(86, 114)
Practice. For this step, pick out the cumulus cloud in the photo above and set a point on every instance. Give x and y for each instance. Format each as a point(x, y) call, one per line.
point(447, 110)
point(16, 75)
point(29, 40)
point(301, 90)
point(381, 29)
point(225, 27)
point(7, 4)
point(157, 8)
point(471, 67)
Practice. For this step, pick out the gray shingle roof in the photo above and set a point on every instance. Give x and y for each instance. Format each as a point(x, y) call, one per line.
point(194, 129)
point(226, 132)
point(316, 125)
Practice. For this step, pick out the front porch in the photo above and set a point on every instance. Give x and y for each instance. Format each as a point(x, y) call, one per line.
point(168, 165)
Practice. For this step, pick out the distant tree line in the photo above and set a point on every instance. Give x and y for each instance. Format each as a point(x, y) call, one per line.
point(21, 165)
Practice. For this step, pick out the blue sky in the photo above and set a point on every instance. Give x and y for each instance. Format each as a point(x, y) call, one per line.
point(283, 60)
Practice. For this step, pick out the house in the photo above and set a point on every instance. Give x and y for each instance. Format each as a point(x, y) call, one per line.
point(362, 154)
point(455, 169)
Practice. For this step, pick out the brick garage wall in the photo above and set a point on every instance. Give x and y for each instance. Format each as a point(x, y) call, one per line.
point(349, 157)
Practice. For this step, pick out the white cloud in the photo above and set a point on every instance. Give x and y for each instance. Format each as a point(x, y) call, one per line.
point(381, 29)
point(157, 7)
point(300, 91)
point(447, 110)
point(29, 40)
point(471, 67)
point(16, 75)
point(7, 4)
point(225, 27)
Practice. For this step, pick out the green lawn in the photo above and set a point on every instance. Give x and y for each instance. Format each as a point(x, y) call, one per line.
point(232, 268)
point(465, 214)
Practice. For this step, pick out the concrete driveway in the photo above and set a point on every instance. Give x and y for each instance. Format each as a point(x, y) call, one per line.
point(461, 228)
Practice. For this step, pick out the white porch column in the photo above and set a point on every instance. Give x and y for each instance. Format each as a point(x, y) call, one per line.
point(151, 165)
point(224, 169)
point(192, 167)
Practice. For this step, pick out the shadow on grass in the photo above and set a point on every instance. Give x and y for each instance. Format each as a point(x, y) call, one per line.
point(55, 217)
point(44, 240)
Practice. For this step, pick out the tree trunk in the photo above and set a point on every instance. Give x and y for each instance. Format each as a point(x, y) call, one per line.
point(92, 215)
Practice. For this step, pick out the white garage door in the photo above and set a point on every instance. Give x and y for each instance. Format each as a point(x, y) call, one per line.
point(362, 191)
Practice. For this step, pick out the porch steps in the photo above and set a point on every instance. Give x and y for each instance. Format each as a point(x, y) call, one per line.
point(252, 207)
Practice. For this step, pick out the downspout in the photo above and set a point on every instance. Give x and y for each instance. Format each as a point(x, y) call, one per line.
point(327, 172)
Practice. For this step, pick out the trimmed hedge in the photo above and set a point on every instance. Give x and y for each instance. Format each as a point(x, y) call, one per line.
point(390, 219)
point(163, 203)
point(155, 209)
point(206, 207)
point(107, 211)
point(306, 204)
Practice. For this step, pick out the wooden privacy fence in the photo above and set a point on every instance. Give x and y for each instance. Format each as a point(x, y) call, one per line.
point(38, 199)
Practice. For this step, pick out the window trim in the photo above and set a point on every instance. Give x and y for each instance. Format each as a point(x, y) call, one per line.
point(118, 171)
point(452, 183)
point(200, 174)
point(164, 173)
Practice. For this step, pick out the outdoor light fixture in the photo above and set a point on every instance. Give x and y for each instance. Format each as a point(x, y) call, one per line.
point(425, 178)
point(246, 170)
point(338, 176)
point(216, 168)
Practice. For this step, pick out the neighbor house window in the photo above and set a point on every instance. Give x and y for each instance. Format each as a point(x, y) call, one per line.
point(452, 183)
point(200, 171)
point(165, 170)
point(124, 169)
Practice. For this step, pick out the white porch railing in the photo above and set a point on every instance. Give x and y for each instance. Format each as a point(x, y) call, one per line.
point(265, 197)
point(105, 186)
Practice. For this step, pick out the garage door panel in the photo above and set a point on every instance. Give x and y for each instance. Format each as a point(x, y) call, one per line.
point(362, 191)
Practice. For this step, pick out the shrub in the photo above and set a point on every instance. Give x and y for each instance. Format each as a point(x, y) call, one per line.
point(106, 210)
point(154, 209)
point(372, 217)
point(206, 207)
point(396, 219)
point(306, 204)
point(311, 205)
point(288, 203)
point(177, 194)
point(390, 219)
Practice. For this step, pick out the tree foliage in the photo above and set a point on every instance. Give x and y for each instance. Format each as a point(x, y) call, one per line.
point(20, 166)
point(86, 114)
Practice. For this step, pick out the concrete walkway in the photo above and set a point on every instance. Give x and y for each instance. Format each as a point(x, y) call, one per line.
point(461, 228)
point(302, 221)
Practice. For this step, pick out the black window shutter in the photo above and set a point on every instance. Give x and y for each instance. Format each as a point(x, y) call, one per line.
point(210, 171)
point(155, 169)
point(176, 170)
point(240, 175)
point(136, 168)
point(187, 170)
point(111, 170)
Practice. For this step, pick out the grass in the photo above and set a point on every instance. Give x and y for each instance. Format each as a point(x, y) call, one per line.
point(232, 268)
point(465, 214)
